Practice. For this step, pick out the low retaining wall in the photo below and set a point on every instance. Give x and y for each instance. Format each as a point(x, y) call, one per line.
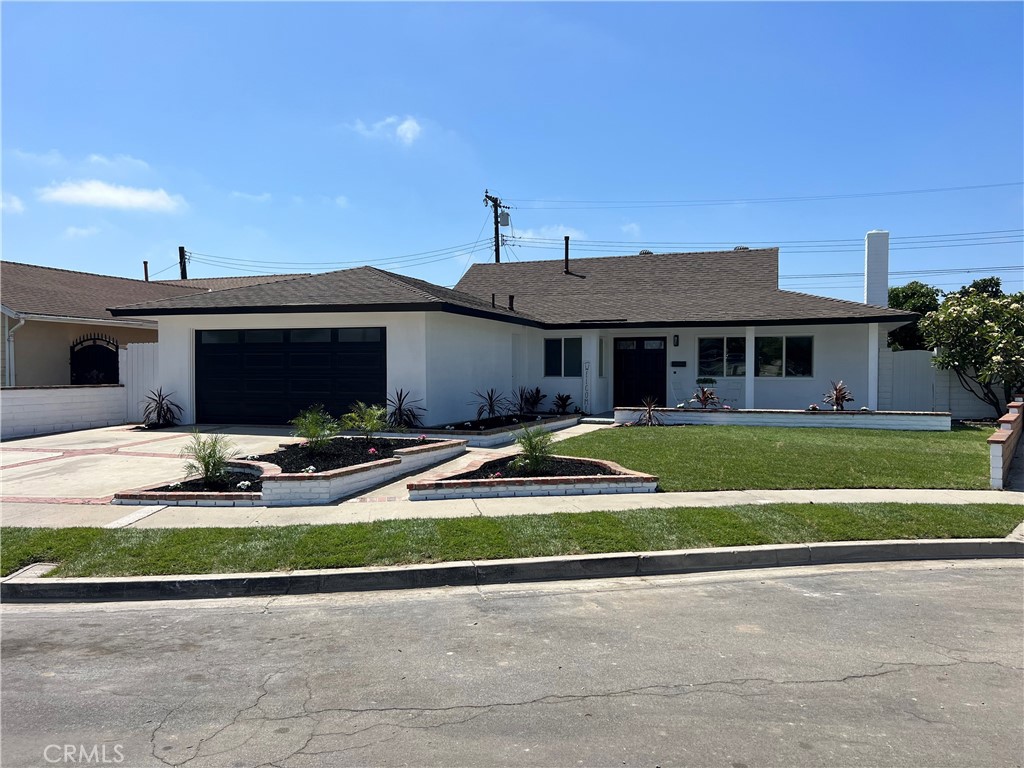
point(625, 481)
point(284, 489)
point(488, 438)
point(1003, 444)
point(902, 420)
point(28, 411)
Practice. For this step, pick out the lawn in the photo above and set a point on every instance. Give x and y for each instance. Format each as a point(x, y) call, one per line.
point(131, 552)
point(723, 458)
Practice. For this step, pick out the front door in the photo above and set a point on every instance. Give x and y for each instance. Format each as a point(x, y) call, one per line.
point(639, 371)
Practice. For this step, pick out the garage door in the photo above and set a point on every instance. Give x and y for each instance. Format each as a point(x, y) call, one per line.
point(267, 376)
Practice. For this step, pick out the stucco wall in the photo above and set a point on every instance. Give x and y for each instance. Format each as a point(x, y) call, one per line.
point(406, 344)
point(44, 410)
point(42, 350)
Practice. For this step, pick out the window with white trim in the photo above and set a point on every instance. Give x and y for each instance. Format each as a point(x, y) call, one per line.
point(563, 357)
point(784, 356)
point(722, 356)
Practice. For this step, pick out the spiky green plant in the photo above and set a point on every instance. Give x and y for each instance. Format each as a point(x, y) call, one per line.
point(535, 445)
point(207, 457)
point(317, 426)
point(404, 412)
point(490, 404)
point(648, 414)
point(160, 410)
point(838, 395)
point(366, 419)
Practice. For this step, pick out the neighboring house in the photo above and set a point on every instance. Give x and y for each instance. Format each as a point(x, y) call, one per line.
point(607, 331)
point(56, 327)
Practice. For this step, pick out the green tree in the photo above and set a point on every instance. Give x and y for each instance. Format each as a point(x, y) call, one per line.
point(981, 339)
point(913, 297)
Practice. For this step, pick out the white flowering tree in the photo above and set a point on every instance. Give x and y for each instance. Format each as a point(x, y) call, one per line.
point(980, 337)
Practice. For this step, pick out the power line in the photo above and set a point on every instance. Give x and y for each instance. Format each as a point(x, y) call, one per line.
point(171, 266)
point(607, 204)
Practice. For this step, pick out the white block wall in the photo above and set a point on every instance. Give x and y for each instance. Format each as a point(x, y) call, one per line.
point(568, 488)
point(45, 410)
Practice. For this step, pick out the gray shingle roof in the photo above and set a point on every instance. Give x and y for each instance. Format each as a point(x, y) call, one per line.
point(347, 290)
point(34, 290)
point(713, 287)
point(220, 283)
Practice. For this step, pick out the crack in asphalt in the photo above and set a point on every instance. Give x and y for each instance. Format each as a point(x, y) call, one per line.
point(465, 713)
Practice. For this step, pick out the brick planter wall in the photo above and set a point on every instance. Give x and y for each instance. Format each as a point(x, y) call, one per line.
point(489, 438)
point(624, 481)
point(1003, 443)
point(903, 420)
point(284, 489)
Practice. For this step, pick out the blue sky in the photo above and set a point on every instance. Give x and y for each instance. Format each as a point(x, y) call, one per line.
point(279, 138)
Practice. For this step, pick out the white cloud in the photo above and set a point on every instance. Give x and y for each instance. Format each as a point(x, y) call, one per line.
point(11, 204)
point(341, 201)
point(76, 233)
point(99, 194)
point(556, 232)
point(404, 131)
point(262, 198)
point(53, 157)
point(632, 229)
point(125, 162)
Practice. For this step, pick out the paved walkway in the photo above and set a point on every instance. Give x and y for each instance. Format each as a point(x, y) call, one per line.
point(68, 480)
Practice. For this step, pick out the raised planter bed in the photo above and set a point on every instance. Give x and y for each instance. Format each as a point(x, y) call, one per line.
point(488, 438)
point(284, 489)
point(922, 421)
point(621, 480)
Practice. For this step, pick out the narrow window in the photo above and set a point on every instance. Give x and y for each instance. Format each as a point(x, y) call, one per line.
point(709, 357)
point(768, 351)
point(799, 356)
point(600, 358)
point(552, 357)
point(735, 356)
point(573, 365)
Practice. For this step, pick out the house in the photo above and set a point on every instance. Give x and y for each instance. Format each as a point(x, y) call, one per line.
point(607, 331)
point(57, 330)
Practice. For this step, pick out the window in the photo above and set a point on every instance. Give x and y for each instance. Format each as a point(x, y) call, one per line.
point(784, 356)
point(359, 335)
point(219, 337)
point(600, 358)
point(722, 356)
point(307, 335)
point(264, 337)
point(563, 357)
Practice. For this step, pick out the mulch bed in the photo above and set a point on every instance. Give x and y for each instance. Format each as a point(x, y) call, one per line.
point(495, 422)
point(230, 485)
point(339, 452)
point(556, 467)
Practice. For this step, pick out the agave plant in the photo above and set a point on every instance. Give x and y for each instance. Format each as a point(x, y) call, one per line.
point(490, 404)
point(404, 411)
point(838, 395)
point(648, 414)
point(160, 410)
point(562, 403)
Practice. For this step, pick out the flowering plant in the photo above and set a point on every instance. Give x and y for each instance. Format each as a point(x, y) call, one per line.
point(422, 437)
point(309, 470)
point(373, 451)
point(813, 407)
point(244, 485)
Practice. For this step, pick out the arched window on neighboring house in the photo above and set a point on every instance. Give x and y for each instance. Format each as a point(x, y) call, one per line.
point(94, 360)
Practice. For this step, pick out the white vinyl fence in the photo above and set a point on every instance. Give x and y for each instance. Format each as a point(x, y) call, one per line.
point(139, 375)
point(907, 381)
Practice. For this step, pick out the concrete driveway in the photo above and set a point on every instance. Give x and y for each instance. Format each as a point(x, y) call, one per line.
point(90, 466)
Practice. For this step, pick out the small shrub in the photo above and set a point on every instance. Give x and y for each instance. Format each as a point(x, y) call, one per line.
point(207, 457)
point(316, 425)
point(648, 415)
point(705, 397)
point(365, 419)
point(404, 412)
point(838, 395)
point(160, 410)
point(490, 404)
point(536, 451)
point(534, 398)
point(561, 403)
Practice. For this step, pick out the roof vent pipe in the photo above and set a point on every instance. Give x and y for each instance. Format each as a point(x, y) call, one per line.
point(566, 270)
point(511, 303)
point(876, 268)
point(493, 305)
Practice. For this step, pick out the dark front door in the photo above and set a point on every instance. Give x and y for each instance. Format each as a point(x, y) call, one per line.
point(639, 371)
point(267, 376)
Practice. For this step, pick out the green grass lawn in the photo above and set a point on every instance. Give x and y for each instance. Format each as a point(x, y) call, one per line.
point(735, 458)
point(124, 552)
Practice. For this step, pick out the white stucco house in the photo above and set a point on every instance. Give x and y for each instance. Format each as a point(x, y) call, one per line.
point(608, 331)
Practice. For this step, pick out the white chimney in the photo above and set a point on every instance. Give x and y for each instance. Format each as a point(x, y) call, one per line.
point(876, 268)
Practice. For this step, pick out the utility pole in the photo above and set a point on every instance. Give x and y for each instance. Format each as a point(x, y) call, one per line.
point(495, 202)
point(182, 264)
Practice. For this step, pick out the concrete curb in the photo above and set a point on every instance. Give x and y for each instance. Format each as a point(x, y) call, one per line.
point(26, 586)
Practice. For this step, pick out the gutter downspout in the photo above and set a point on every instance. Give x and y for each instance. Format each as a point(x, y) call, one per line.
point(10, 352)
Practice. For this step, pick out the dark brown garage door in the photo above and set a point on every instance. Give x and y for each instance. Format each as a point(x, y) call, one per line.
point(267, 376)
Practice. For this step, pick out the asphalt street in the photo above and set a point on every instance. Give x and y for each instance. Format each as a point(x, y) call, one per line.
point(913, 664)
